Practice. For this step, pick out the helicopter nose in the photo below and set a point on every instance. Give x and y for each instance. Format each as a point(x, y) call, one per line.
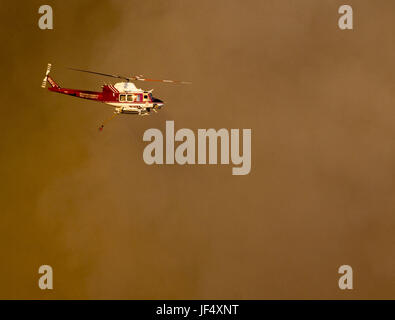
point(156, 100)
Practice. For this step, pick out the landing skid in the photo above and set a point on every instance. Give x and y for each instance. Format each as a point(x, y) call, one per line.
point(119, 110)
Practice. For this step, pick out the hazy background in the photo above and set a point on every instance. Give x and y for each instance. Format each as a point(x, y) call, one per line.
point(319, 101)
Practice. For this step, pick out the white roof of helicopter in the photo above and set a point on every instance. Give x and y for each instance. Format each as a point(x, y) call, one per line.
point(127, 87)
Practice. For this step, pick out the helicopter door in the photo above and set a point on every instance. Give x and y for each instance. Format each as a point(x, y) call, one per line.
point(122, 97)
point(130, 98)
point(139, 98)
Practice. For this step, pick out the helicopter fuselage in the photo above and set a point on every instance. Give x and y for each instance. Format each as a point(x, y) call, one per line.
point(124, 96)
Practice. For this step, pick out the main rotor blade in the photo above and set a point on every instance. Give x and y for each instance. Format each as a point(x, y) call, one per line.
point(103, 74)
point(165, 81)
point(133, 78)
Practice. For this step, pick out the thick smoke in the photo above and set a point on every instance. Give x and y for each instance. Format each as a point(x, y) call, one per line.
point(319, 102)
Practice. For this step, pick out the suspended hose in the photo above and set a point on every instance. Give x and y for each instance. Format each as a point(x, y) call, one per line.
point(108, 119)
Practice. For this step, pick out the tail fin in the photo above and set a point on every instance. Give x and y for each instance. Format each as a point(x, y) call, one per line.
point(43, 85)
point(52, 82)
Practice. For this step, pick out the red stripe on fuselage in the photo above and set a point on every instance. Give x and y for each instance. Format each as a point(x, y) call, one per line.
point(84, 94)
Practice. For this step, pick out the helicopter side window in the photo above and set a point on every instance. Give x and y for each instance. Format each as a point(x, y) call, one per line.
point(122, 97)
point(138, 97)
point(130, 98)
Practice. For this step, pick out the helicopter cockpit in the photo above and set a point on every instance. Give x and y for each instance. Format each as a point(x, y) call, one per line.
point(136, 97)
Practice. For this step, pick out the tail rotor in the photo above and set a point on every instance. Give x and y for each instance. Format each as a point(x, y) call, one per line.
point(43, 85)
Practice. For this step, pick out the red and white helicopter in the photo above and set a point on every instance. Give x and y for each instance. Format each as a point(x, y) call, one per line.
point(124, 96)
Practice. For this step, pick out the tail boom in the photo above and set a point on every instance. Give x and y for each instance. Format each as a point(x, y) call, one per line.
point(84, 94)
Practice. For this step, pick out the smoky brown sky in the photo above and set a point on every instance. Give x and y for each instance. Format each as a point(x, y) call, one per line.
point(319, 101)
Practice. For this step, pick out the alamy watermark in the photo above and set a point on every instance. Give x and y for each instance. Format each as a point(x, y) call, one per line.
point(207, 139)
point(346, 280)
point(46, 20)
point(46, 280)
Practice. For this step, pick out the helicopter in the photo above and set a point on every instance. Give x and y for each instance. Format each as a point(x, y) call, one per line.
point(124, 96)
